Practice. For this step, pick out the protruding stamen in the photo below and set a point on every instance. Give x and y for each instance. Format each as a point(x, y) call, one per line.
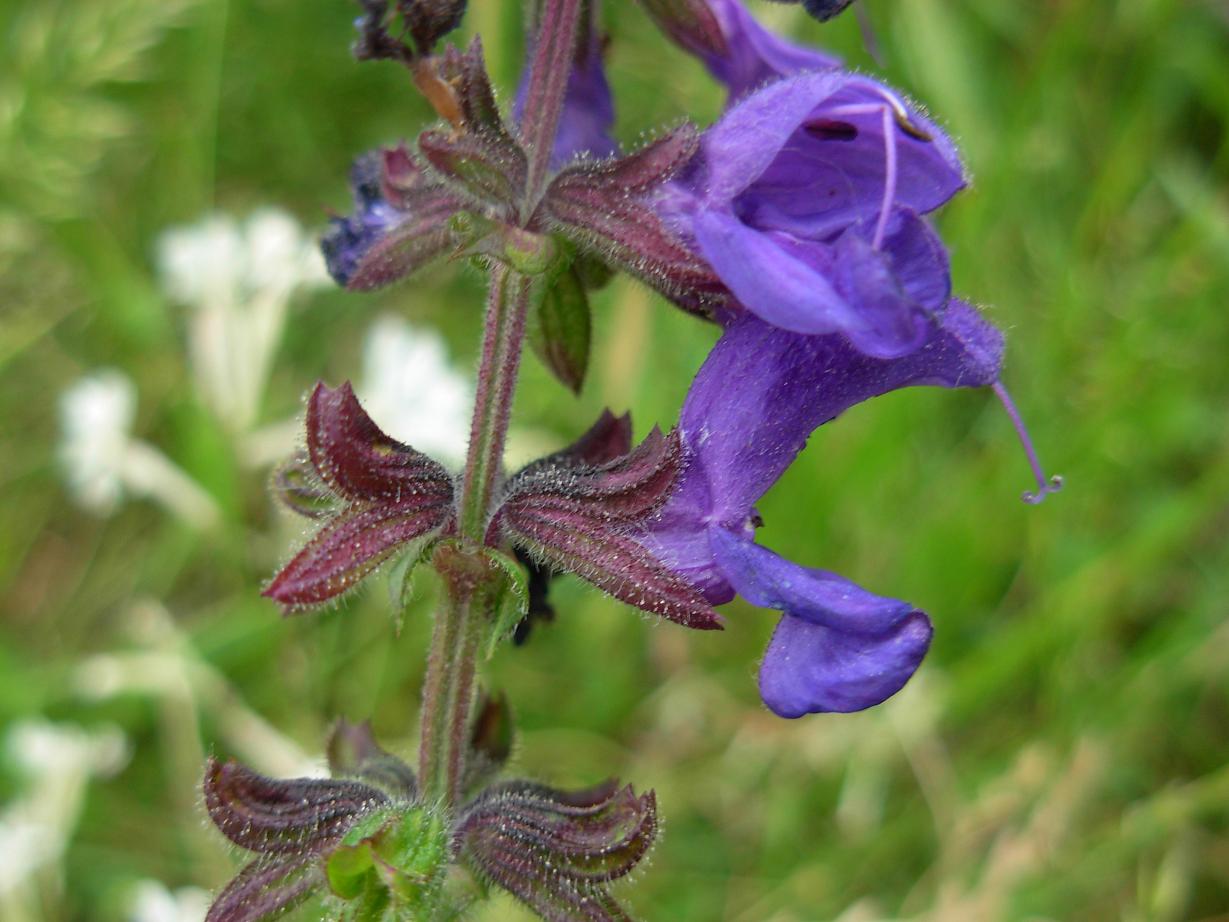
point(1045, 485)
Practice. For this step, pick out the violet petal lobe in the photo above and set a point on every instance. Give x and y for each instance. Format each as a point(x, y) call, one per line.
point(769, 280)
point(838, 646)
point(880, 297)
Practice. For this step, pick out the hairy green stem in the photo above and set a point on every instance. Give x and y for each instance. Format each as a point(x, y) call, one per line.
point(464, 613)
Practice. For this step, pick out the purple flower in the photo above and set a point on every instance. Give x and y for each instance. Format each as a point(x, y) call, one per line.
point(805, 198)
point(753, 405)
point(754, 56)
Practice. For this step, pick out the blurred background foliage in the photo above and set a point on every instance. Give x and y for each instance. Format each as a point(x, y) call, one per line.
point(1062, 753)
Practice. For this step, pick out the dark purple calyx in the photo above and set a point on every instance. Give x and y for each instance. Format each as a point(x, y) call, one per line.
point(558, 851)
point(298, 826)
point(578, 511)
point(402, 221)
point(266, 888)
point(389, 495)
point(603, 208)
point(283, 817)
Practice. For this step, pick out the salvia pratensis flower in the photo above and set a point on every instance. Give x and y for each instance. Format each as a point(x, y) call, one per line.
point(386, 494)
point(753, 405)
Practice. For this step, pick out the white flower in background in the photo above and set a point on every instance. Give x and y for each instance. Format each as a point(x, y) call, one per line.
point(102, 462)
point(96, 415)
point(412, 392)
point(56, 761)
point(239, 280)
point(152, 902)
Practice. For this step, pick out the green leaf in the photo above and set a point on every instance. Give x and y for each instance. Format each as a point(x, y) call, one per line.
point(560, 327)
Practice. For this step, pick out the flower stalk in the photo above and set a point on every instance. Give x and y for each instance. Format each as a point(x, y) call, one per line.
point(457, 637)
point(470, 594)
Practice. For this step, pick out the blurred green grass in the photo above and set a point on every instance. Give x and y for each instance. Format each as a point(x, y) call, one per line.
point(1062, 754)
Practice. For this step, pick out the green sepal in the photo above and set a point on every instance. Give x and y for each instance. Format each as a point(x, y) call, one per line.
point(402, 854)
point(510, 598)
point(401, 574)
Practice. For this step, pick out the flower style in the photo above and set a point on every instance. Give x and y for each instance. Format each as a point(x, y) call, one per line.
point(754, 403)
